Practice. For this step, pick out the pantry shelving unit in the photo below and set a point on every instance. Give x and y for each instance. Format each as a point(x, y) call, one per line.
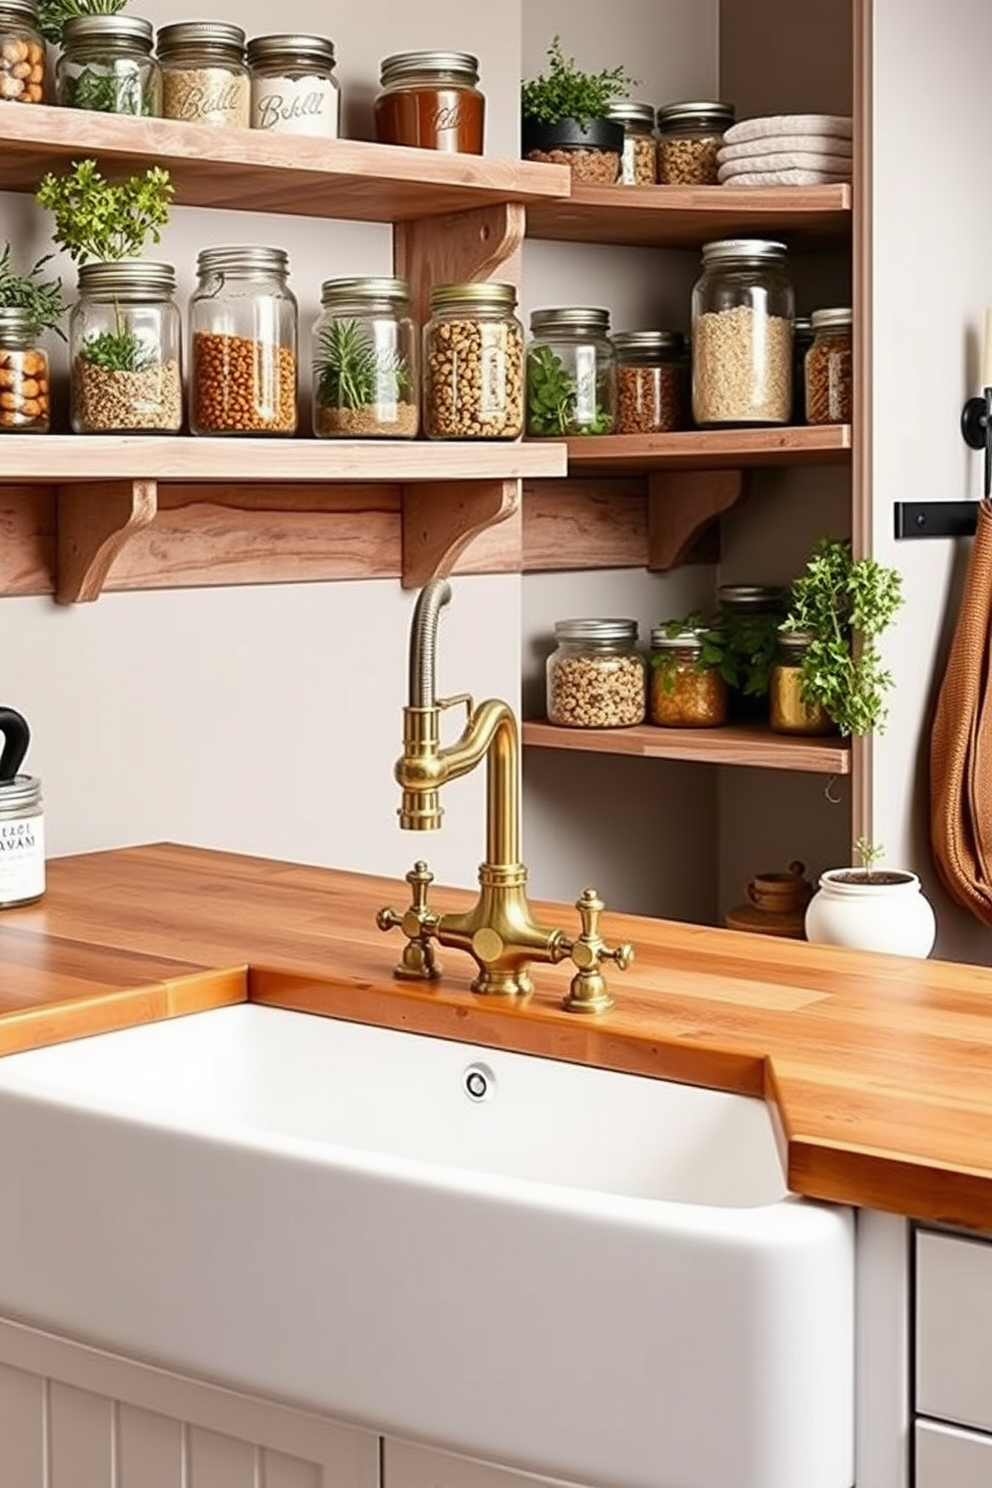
point(734, 744)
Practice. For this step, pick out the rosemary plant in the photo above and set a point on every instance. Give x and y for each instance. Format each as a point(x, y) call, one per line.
point(351, 372)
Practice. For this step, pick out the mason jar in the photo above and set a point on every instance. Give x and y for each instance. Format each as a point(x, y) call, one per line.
point(431, 100)
point(25, 401)
point(637, 162)
point(473, 363)
point(749, 616)
point(106, 65)
point(243, 337)
point(365, 361)
point(595, 675)
point(829, 369)
point(22, 841)
point(687, 689)
point(789, 713)
point(124, 350)
point(293, 87)
point(652, 381)
point(205, 78)
point(22, 53)
point(742, 311)
point(571, 372)
point(689, 136)
point(802, 340)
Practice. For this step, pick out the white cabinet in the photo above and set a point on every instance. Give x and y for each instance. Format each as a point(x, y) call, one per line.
point(953, 1361)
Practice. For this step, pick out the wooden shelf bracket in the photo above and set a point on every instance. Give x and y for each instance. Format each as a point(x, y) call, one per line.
point(96, 521)
point(681, 505)
point(441, 518)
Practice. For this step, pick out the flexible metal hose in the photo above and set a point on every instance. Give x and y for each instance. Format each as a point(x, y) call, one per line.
point(423, 641)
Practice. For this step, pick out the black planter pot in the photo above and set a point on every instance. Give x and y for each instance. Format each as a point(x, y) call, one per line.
point(592, 151)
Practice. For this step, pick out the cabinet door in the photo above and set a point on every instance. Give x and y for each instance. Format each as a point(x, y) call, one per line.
point(954, 1329)
point(407, 1466)
point(950, 1457)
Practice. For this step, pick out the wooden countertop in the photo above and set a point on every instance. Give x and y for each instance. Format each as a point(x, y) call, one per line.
point(880, 1067)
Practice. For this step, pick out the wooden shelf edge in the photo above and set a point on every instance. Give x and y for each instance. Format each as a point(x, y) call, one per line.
point(711, 449)
point(737, 744)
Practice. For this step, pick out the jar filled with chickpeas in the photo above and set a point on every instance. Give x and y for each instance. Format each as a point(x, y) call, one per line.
point(473, 363)
point(595, 676)
point(243, 337)
point(687, 687)
point(24, 391)
point(742, 311)
point(124, 333)
point(22, 53)
point(689, 136)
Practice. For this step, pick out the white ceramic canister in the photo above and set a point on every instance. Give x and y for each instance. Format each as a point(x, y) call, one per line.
point(293, 87)
point(891, 916)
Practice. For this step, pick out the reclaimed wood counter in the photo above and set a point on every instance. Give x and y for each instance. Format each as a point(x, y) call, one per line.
point(879, 1067)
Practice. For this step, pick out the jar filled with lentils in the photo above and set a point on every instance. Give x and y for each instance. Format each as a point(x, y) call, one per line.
point(689, 136)
point(24, 388)
point(366, 361)
point(124, 358)
point(571, 372)
point(106, 65)
point(652, 381)
point(637, 163)
point(742, 310)
point(687, 687)
point(205, 78)
point(473, 363)
point(293, 87)
point(243, 336)
point(595, 676)
point(22, 53)
point(829, 368)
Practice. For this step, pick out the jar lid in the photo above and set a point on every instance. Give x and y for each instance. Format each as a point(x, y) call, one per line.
point(107, 28)
point(647, 344)
point(596, 630)
point(836, 318)
point(625, 112)
point(802, 325)
point(334, 290)
point(200, 33)
point(570, 317)
point(474, 292)
point(128, 276)
point(314, 48)
point(22, 7)
point(793, 643)
point(690, 639)
point(727, 250)
point(231, 260)
point(23, 790)
point(711, 111)
point(750, 596)
point(16, 321)
point(403, 65)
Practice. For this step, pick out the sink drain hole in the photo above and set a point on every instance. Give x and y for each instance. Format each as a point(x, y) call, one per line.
point(479, 1082)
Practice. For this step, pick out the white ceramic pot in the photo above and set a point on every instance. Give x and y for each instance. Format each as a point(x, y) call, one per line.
point(896, 917)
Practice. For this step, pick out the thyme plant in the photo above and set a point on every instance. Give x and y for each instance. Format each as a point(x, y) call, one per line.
point(565, 92)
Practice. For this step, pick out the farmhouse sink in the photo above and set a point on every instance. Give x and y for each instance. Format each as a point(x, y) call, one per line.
point(592, 1276)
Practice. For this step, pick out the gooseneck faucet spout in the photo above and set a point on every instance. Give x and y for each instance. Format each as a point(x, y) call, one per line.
point(423, 642)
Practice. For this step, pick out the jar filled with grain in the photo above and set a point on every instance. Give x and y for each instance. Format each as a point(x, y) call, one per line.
point(829, 368)
point(742, 310)
point(431, 100)
point(637, 162)
point(571, 372)
point(24, 387)
point(789, 712)
point(687, 687)
point(243, 337)
point(124, 350)
point(293, 87)
point(652, 381)
point(205, 78)
point(365, 367)
point(689, 136)
point(106, 65)
point(22, 53)
point(595, 676)
point(473, 363)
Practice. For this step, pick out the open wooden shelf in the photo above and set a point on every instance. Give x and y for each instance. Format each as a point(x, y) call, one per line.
point(736, 744)
point(710, 449)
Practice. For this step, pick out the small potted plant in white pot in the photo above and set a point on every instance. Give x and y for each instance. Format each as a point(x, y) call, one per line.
point(563, 117)
point(872, 908)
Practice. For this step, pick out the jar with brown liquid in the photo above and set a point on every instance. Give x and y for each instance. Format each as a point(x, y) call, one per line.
point(431, 100)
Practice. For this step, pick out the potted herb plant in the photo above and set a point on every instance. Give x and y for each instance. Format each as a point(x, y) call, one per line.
point(872, 908)
point(564, 117)
point(29, 305)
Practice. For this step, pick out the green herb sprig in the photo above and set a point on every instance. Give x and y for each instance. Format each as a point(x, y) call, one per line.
point(42, 299)
point(749, 649)
point(351, 372)
point(53, 14)
point(713, 648)
point(116, 351)
point(565, 92)
point(552, 398)
point(97, 220)
point(869, 854)
point(102, 93)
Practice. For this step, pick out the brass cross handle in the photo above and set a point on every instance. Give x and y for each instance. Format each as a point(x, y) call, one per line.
point(588, 992)
point(419, 960)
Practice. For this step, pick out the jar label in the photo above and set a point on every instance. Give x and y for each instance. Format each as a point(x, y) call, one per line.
point(205, 95)
point(22, 859)
point(492, 382)
point(585, 385)
point(295, 106)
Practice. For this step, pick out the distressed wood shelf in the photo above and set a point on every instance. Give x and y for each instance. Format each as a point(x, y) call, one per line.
point(711, 449)
point(736, 744)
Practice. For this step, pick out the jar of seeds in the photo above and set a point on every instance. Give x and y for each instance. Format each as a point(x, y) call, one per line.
point(124, 334)
point(205, 78)
point(829, 368)
point(595, 676)
point(106, 65)
point(687, 687)
point(742, 310)
point(689, 136)
point(365, 367)
point(24, 389)
point(293, 87)
point(22, 53)
point(637, 163)
point(652, 381)
point(473, 363)
point(571, 372)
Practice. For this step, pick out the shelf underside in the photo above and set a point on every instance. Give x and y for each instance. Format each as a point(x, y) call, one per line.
point(711, 449)
point(735, 744)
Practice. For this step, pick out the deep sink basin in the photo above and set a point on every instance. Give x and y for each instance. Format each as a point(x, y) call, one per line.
point(588, 1275)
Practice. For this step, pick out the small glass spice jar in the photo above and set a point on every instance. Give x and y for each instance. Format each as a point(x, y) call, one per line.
point(687, 690)
point(243, 337)
point(205, 78)
point(293, 87)
point(365, 367)
point(748, 618)
point(652, 381)
point(431, 100)
point(830, 368)
point(124, 350)
point(22, 53)
point(742, 309)
point(595, 676)
point(689, 136)
point(106, 65)
point(637, 163)
point(571, 372)
point(789, 713)
point(473, 363)
point(24, 386)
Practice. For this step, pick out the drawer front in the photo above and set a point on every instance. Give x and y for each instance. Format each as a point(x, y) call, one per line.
point(950, 1457)
point(954, 1329)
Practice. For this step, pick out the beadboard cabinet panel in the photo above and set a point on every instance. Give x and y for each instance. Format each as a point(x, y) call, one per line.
point(22, 1408)
point(80, 1435)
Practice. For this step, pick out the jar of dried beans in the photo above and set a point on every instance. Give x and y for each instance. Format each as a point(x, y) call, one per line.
point(365, 361)
point(205, 78)
point(431, 100)
point(293, 87)
point(106, 65)
point(22, 53)
point(571, 372)
point(637, 162)
point(742, 310)
point(124, 334)
point(687, 687)
point(473, 363)
point(689, 136)
point(829, 363)
point(595, 676)
point(243, 335)
point(24, 390)
point(652, 381)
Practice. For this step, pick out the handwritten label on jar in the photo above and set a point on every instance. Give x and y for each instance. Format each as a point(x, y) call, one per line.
point(306, 105)
point(22, 859)
point(205, 95)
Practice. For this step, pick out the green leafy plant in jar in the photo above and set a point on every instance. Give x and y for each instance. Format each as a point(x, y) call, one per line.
point(355, 381)
point(553, 396)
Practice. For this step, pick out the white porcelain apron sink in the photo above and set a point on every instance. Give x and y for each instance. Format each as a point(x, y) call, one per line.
point(587, 1275)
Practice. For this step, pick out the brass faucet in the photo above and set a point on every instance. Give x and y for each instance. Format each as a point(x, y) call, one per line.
point(499, 931)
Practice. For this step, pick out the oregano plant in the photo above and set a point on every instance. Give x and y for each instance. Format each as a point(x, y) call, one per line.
point(566, 92)
point(100, 221)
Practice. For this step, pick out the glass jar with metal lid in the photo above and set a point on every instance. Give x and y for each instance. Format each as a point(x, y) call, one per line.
point(789, 712)
point(205, 78)
point(571, 372)
point(595, 676)
point(106, 64)
point(637, 163)
point(431, 100)
point(22, 821)
point(293, 87)
point(748, 619)
point(802, 340)
point(742, 310)
point(243, 337)
point(473, 363)
point(688, 689)
point(366, 360)
point(652, 381)
point(689, 136)
point(124, 349)
point(829, 370)
point(24, 386)
point(22, 53)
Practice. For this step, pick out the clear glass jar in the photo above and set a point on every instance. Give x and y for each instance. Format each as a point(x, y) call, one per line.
point(829, 371)
point(742, 310)
point(431, 100)
point(124, 350)
point(652, 381)
point(748, 619)
point(789, 713)
point(637, 163)
point(595, 676)
point(205, 78)
point(22, 841)
point(293, 87)
point(689, 136)
point(473, 363)
point(365, 369)
point(243, 337)
point(106, 65)
point(25, 406)
point(687, 691)
point(22, 53)
point(571, 372)
point(802, 340)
